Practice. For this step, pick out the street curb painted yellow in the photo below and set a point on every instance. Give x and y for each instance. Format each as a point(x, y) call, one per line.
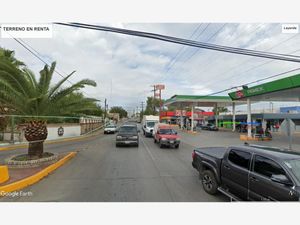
point(3, 174)
point(246, 138)
point(14, 147)
point(36, 177)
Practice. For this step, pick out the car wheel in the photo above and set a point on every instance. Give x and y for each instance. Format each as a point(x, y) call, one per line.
point(154, 140)
point(176, 146)
point(209, 182)
point(117, 145)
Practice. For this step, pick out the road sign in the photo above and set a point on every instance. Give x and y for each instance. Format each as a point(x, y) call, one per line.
point(288, 127)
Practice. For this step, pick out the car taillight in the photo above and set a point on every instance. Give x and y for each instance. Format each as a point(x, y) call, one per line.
point(193, 154)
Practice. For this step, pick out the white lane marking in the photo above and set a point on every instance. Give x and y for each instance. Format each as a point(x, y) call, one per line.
point(147, 149)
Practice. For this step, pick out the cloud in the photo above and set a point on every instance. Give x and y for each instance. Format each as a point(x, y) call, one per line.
point(125, 67)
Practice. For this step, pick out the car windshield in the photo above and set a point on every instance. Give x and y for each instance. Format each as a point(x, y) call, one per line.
point(294, 166)
point(167, 131)
point(128, 129)
point(151, 124)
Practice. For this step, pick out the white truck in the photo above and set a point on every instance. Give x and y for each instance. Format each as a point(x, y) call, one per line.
point(148, 124)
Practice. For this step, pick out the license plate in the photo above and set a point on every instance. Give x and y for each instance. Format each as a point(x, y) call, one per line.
point(171, 142)
point(127, 142)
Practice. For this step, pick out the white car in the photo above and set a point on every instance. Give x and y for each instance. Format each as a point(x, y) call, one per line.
point(110, 129)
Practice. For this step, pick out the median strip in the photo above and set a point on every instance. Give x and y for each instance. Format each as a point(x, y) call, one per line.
point(20, 184)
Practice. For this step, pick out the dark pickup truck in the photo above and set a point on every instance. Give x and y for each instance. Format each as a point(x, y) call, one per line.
point(249, 172)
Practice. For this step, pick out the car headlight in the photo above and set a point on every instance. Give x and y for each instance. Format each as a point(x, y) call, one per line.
point(119, 137)
point(164, 139)
point(135, 137)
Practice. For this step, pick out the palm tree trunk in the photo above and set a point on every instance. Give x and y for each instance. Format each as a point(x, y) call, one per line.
point(36, 149)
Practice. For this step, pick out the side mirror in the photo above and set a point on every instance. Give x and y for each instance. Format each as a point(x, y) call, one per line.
point(282, 179)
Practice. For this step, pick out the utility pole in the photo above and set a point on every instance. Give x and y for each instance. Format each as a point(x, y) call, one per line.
point(142, 114)
point(105, 109)
point(153, 102)
point(159, 87)
point(142, 104)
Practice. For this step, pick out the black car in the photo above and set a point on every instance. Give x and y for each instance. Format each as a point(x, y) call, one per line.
point(209, 126)
point(250, 172)
point(128, 135)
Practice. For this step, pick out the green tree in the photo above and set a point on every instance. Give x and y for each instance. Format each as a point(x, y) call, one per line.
point(9, 55)
point(22, 92)
point(152, 106)
point(118, 109)
point(218, 110)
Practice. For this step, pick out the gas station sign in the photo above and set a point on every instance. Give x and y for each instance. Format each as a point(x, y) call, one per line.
point(160, 87)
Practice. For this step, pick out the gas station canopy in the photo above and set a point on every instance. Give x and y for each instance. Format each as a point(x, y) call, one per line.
point(283, 90)
point(182, 101)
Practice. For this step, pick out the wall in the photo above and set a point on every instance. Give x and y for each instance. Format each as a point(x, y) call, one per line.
point(70, 130)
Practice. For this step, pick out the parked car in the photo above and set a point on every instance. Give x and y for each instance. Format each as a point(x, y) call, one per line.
point(209, 126)
point(110, 129)
point(165, 136)
point(249, 172)
point(127, 135)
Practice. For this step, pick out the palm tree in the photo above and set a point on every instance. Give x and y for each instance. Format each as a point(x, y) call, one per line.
point(22, 92)
point(10, 56)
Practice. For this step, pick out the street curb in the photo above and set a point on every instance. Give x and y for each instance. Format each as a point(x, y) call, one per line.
point(246, 138)
point(14, 147)
point(189, 132)
point(36, 177)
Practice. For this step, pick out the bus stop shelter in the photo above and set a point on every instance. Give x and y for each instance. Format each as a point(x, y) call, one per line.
point(192, 101)
point(283, 90)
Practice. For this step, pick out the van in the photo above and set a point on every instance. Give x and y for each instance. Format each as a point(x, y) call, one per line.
point(148, 124)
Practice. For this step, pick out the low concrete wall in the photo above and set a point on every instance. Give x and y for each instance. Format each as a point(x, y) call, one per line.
point(56, 131)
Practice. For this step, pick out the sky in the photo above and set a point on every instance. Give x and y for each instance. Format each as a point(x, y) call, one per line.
point(125, 67)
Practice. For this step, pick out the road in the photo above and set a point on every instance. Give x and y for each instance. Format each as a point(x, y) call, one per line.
point(103, 173)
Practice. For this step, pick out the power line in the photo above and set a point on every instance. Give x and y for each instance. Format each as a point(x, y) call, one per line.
point(187, 49)
point(170, 65)
point(215, 59)
point(218, 31)
point(252, 82)
point(37, 55)
point(195, 52)
point(254, 67)
point(277, 56)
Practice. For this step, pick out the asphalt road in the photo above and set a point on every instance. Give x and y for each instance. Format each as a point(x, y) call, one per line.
point(103, 173)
